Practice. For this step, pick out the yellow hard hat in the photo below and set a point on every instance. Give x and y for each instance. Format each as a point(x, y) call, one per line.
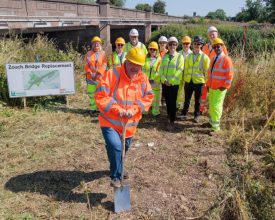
point(153, 45)
point(186, 39)
point(136, 55)
point(120, 40)
point(217, 41)
point(96, 39)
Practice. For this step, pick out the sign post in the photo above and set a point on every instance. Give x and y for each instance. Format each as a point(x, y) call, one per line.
point(40, 79)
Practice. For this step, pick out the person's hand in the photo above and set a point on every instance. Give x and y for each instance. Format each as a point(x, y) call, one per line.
point(167, 83)
point(98, 76)
point(126, 114)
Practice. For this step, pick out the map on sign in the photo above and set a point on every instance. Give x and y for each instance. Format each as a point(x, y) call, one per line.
point(42, 79)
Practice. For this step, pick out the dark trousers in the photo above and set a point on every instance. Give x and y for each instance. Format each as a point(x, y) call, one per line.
point(170, 95)
point(189, 88)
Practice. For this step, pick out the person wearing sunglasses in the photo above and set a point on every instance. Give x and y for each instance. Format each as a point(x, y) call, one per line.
point(186, 44)
point(95, 67)
point(150, 69)
point(196, 66)
point(220, 75)
point(171, 68)
point(134, 42)
point(212, 34)
point(117, 58)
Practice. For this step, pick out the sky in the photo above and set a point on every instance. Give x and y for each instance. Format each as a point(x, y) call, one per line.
point(201, 7)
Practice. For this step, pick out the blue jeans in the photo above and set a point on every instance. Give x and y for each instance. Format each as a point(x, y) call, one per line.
point(113, 147)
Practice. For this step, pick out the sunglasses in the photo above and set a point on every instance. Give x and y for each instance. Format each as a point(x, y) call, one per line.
point(217, 46)
point(197, 44)
point(173, 44)
point(152, 49)
point(133, 37)
point(120, 45)
point(185, 43)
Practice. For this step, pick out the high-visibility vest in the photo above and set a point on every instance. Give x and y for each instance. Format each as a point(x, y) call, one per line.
point(116, 61)
point(129, 46)
point(221, 74)
point(196, 69)
point(116, 92)
point(152, 71)
point(94, 63)
point(209, 51)
point(171, 70)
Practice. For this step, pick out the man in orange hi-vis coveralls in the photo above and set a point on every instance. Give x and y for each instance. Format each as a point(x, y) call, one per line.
point(212, 34)
point(95, 67)
point(122, 95)
point(220, 75)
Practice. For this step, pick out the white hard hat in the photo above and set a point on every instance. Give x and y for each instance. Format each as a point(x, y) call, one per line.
point(173, 39)
point(212, 28)
point(133, 32)
point(163, 39)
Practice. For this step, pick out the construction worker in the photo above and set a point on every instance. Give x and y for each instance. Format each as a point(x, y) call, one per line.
point(171, 68)
point(150, 69)
point(220, 75)
point(196, 66)
point(186, 43)
point(95, 67)
point(117, 58)
point(212, 34)
point(122, 95)
point(162, 45)
point(162, 51)
point(133, 35)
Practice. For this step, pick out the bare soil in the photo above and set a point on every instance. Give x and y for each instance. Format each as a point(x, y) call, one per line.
point(54, 165)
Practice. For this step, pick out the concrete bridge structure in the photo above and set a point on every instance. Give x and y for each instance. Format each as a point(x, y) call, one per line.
point(34, 16)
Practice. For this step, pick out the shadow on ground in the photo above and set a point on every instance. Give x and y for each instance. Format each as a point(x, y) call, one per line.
point(59, 185)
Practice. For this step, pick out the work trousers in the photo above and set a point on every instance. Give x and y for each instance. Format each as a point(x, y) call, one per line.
point(91, 88)
point(114, 150)
point(156, 101)
point(189, 88)
point(216, 99)
point(203, 100)
point(170, 95)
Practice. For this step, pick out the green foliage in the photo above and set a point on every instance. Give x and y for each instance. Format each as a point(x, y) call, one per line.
point(118, 3)
point(144, 7)
point(159, 7)
point(258, 10)
point(259, 195)
point(14, 50)
point(219, 14)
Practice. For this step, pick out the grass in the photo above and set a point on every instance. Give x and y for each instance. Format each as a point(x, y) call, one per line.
point(54, 164)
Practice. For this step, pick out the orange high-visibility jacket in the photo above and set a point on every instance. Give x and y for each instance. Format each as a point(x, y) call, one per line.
point(95, 63)
point(210, 52)
point(163, 52)
point(116, 92)
point(221, 74)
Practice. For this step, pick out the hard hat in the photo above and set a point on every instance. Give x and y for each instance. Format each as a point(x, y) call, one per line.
point(198, 39)
point(186, 39)
point(162, 39)
point(211, 29)
point(96, 39)
point(120, 40)
point(136, 55)
point(173, 39)
point(217, 41)
point(153, 45)
point(133, 32)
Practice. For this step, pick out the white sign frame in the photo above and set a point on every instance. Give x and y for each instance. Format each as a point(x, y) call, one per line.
point(54, 78)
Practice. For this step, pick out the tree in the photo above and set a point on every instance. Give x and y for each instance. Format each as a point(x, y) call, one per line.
point(144, 7)
point(159, 7)
point(218, 14)
point(118, 3)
